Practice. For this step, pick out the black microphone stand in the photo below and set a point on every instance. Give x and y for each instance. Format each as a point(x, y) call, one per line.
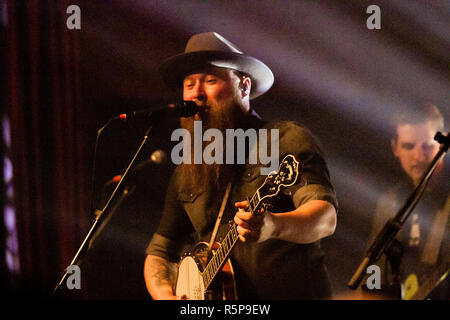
point(189, 108)
point(385, 241)
point(100, 214)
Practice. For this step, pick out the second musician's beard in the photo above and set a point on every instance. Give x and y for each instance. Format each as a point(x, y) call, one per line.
point(213, 177)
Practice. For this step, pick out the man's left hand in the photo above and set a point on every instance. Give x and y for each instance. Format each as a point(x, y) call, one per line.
point(251, 227)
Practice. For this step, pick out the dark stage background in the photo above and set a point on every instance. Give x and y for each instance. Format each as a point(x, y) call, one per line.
point(332, 74)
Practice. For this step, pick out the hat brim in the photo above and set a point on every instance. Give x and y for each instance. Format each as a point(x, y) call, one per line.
point(176, 68)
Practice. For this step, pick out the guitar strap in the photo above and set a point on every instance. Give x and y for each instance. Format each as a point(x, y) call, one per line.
point(220, 215)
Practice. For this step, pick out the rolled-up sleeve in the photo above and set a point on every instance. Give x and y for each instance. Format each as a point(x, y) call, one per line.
point(314, 182)
point(314, 192)
point(164, 247)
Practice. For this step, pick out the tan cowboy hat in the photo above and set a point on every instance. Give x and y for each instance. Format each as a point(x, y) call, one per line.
point(211, 49)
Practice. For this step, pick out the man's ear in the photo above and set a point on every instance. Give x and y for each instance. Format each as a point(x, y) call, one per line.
point(394, 146)
point(245, 86)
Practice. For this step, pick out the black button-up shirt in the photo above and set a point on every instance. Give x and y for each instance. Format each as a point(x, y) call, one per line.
point(273, 269)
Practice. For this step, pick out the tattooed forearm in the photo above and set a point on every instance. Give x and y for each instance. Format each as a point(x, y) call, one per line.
point(159, 277)
point(161, 271)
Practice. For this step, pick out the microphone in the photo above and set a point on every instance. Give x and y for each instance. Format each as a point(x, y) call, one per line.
point(184, 109)
point(157, 158)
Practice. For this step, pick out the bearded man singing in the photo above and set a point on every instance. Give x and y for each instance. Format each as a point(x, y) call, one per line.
point(278, 254)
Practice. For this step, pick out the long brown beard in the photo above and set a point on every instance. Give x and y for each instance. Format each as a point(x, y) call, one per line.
point(214, 177)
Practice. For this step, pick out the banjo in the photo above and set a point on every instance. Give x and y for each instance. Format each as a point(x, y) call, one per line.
point(203, 277)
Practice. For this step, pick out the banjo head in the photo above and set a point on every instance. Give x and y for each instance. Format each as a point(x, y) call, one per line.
point(190, 280)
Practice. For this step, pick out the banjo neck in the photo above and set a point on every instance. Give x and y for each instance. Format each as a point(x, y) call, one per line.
point(221, 255)
point(286, 176)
